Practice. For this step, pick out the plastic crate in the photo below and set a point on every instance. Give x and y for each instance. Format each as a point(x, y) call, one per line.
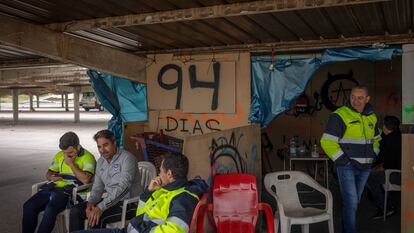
point(159, 144)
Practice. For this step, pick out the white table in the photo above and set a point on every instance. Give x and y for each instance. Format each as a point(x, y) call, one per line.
point(316, 160)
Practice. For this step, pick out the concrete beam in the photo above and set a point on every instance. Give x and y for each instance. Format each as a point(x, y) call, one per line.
point(70, 49)
point(29, 62)
point(209, 12)
point(16, 74)
point(297, 46)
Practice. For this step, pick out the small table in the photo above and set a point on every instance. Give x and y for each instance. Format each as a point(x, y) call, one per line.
point(316, 160)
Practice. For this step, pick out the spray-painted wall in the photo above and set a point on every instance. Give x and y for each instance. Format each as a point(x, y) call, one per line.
point(382, 78)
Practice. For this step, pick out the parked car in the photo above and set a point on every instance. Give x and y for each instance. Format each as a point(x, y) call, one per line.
point(89, 101)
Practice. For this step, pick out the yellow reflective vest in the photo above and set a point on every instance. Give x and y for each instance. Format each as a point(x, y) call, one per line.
point(352, 137)
point(157, 210)
point(85, 161)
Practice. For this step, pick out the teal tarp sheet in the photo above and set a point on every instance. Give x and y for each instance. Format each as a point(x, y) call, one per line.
point(124, 99)
point(274, 91)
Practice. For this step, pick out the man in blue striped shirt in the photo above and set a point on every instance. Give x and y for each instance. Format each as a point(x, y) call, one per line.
point(116, 176)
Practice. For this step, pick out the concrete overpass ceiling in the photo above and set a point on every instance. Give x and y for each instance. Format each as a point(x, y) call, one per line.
point(105, 34)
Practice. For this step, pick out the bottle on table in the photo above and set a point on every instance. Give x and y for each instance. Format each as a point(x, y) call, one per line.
point(292, 147)
point(315, 151)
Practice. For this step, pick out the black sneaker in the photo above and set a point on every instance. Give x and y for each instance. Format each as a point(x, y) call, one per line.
point(380, 213)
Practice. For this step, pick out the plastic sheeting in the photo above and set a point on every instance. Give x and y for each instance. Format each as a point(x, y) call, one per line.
point(274, 90)
point(124, 99)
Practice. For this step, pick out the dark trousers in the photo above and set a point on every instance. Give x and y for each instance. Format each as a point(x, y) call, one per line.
point(374, 184)
point(52, 203)
point(113, 214)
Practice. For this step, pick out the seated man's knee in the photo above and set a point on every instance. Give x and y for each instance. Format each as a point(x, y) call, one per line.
point(29, 205)
point(75, 211)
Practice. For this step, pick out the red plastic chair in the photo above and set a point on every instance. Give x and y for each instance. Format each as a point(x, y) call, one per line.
point(199, 207)
point(235, 205)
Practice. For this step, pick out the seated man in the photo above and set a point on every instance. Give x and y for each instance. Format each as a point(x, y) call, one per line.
point(389, 157)
point(168, 202)
point(116, 174)
point(70, 167)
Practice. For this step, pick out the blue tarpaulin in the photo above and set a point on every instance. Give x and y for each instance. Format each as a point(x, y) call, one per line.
point(124, 99)
point(273, 91)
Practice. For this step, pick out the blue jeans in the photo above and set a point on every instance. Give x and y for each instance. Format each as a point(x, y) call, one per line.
point(52, 203)
point(351, 183)
point(101, 231)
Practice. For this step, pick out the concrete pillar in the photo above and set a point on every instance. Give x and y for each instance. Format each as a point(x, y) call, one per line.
point(407, 84)
point(63, 100)
point(66, 102)
point(31, 102)
point(15, 94)
point(76, 92)
point(37, 100)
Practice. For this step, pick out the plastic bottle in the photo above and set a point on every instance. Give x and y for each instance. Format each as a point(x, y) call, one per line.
point(315, 151)
point(302, 149)
point(292, 147)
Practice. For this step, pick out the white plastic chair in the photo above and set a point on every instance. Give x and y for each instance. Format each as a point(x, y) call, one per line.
point(62, 219)
point(389, 187)
point(283, 187)
point(147, 172)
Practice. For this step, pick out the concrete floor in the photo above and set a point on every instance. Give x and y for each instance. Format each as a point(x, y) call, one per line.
point(27, 149)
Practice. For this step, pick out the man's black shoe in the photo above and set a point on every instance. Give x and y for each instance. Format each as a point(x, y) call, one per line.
point(380, 213)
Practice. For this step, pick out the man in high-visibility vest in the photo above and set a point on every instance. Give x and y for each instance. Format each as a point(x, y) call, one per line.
point(72, 166)
point(168, 203)
point(351, 140)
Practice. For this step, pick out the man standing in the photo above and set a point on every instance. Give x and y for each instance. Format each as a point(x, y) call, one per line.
point(351, 140)
point(168, 203)
point(70, 167)
point(116, 174)
point(388, 158)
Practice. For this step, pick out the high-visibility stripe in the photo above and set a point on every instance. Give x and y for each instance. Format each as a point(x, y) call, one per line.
point(364, 160)
point(378, 136)
point(356, 141)
point(141, 204)
point(376, 150)
point(330, 137)
point(179, 222)
point(157, 221)
point(337, 155)
point(88, 165)
point(54, 164)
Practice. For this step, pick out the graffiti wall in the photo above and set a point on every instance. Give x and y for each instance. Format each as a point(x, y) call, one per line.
point(199, 94)
point(229, 151)
point(330, 88)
